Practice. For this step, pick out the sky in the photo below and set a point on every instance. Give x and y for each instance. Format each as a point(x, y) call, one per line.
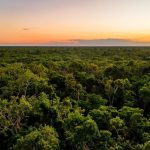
point(75, 22)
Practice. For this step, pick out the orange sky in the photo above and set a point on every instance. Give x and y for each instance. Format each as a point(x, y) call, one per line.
point(43, 22)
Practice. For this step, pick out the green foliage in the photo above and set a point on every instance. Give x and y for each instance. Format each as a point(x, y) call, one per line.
point(72, 98)
point(145, 96)
point(146, 146)
point(104, 139)
point(126, 112)
point(117, 125)
point(45, 138)
point(13, 114)
point(80, 130)
point(92, 101)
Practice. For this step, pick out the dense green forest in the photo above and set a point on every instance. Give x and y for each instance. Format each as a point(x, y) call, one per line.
point(75, 98)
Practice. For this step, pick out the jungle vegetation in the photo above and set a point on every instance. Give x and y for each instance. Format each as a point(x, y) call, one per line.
point(74, 98)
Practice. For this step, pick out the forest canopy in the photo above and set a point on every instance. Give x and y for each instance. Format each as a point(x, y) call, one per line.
point(75, 98)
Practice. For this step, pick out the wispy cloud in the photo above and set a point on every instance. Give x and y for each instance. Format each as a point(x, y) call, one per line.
point(26, 29)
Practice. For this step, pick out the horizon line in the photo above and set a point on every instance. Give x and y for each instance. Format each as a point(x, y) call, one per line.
point(69, 46)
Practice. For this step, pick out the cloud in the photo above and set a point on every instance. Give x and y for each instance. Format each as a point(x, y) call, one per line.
point(26, 29)
point(100, 42)
point(92, 42)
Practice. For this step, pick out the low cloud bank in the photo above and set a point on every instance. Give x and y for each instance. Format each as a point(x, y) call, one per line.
point(100, 42)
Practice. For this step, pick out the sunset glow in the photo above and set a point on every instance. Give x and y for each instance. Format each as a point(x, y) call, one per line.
point(50, 22)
